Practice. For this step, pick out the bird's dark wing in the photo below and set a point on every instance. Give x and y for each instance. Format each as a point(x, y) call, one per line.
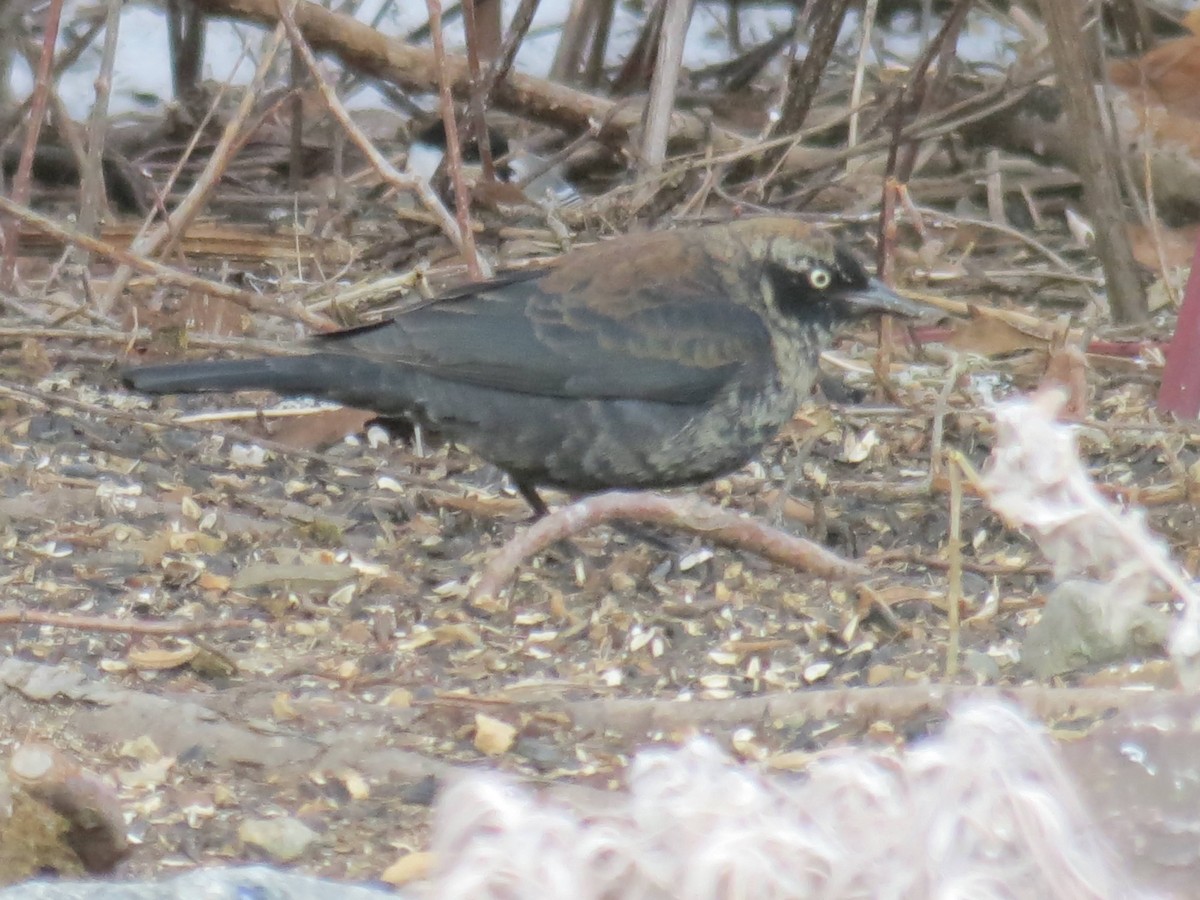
point(601, 329)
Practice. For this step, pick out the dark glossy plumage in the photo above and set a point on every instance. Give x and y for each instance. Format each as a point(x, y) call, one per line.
point(644, 361)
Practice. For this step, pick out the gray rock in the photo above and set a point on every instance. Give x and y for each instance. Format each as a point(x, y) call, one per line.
point(245, 883)
point(1079, 628)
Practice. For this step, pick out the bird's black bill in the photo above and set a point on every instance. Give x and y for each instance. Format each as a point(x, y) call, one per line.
point(878, 297)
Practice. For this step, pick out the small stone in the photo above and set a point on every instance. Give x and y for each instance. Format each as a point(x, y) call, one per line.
point(284, 840)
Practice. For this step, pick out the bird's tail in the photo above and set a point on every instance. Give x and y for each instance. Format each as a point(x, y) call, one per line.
point(316, 375)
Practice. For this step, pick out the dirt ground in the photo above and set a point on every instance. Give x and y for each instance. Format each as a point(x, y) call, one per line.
point(320, 657)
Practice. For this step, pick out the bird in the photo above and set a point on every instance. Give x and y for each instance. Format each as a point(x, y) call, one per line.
point(646, 361)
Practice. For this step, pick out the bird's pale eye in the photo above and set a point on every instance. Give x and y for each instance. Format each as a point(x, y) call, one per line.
point(819, 277)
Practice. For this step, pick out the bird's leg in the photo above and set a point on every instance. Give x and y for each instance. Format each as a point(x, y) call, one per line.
point(533, 498)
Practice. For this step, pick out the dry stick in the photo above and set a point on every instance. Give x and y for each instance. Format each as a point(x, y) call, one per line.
point(489, 15)
point(885, 253)
point(389, 173)
point(574, 33)
point(158, 270)
point(954, 591)
point(119, 626)
point(166, 236)
point(663, 82)
point(37, 112)
point(638, 66)
point(64, 61)
point(64, 125)
point(296, 110)
point(416, 68)
point(941, 409)
point(864, 704)
point(186, 29)
point(902, 154)
point(72, 136)
point(941, 217)
point(860, 65)
point(1148, 212)
point(936, 124)
point(687, 513)
point(901, 158)
point(197, 135)
point(825, 23)
point(561, 156)
point(1096, 161)
point(1125, 167)
point(478, 120)
point(158, 208)
point(121, 336)
point(593, 66)
point(93, 200)
point(462, 197)
point(504, 60)
point(910, 557)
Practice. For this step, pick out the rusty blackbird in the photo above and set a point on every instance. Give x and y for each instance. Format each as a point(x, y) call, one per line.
point(645, 361)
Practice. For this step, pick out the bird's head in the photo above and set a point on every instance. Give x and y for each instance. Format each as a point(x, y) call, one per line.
point(807, 276)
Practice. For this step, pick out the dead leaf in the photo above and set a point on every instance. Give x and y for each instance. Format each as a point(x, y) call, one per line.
point(1166, 76)
point(1067, 368)
point(1178, 245)
point(321, 429)
point(492, 736)
point(408, 868)
point(155, 659)
point(260, 574)
point(989, 333)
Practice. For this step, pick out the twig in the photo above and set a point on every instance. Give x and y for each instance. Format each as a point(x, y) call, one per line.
point(185, 31)
point(37, 112)
point(415, 68)
point(954, 591)
point(462, 197)
point(1097, 153)
point(158, 270)
point(63, 61)
point(133, 335)
point(118, 626)
point(93, 200)
point(657, 122)
point(565, 66)
point(165, 236)
point(866, 26)
point(686, 513)
point(824, 23)
point(902, 154)
point(865, 704)
point(910, 557)
point(517, 30)
point(389, 173)
point(198, 133)
point(938, 216)
point(941, 409)
point(476, 100)
point(296, 125)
